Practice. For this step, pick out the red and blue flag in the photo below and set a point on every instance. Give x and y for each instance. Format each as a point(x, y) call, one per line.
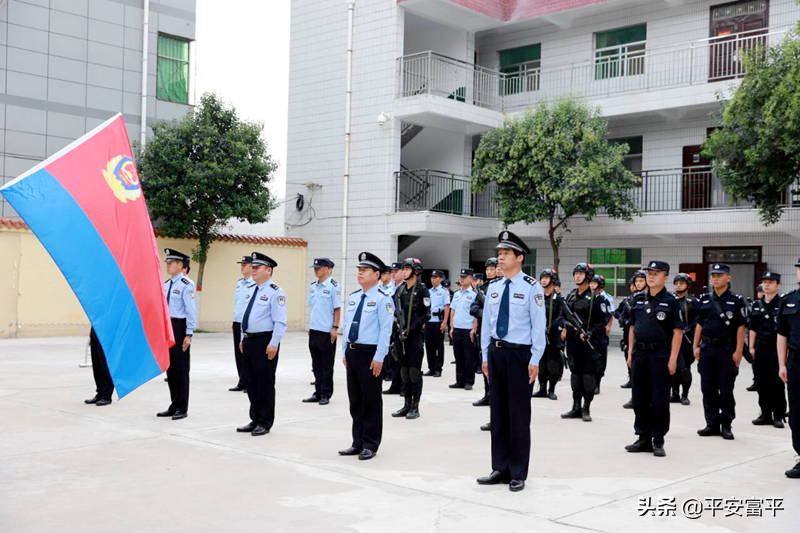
point(85, 205)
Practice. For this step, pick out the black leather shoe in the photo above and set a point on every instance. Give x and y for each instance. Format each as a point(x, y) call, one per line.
point(324, 400)
point(366, 455)
point(658, 448)
point(586, 415)
point(628, 405)
point(101, 402)
point(352, 450)
point(541, 393)
point(311, 399)
point(516, 485)
point(91, 401)
point(575, 412)
point(763, 421)
point(391, 391)
point(727, 434)
point(237, 388)
point(597, 390)
point(709, 431)
point(486, 427)
point(456, 386)
point(387, 378)
point(495, 478)
point(313, 383)
point(166, 379)
point(552, 396)
point(165, 413)
point(483, 402)
point(674, 398)
point(752, 388)
point(685, 400)
point(259, 430)
point(642, 444)
point(467, 386)
point(794, 472)
point(778, 423)
point(179, 415)
point(246, 429)
point(626, 385)
point(429, 373)
point(437, 374)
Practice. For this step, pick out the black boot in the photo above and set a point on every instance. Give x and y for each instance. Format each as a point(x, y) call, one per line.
point(597, 387)
point(763, 420)
point(675, 397)
point(551, 393)
point(405, 409)
point(685, 396)
point(575, 412)
point(542, 392)
point(414, 411)
point(586, 416)
point(753, 387)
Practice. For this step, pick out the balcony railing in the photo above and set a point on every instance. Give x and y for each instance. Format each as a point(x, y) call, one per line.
point(679, 189)
point(617, 70)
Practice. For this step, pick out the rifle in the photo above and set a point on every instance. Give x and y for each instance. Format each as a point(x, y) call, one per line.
point(576, 323)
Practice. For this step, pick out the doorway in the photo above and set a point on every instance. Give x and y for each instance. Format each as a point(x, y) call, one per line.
point(735, 28)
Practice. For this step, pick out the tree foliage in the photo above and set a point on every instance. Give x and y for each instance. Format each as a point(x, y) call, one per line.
point(204, 170)
point(755, 152)
point(554, 163)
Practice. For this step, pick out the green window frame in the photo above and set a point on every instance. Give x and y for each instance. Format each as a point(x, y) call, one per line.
point(620, 52)
point(172, 80)
point(633, 160)
point(521, 67)
point(617, 265)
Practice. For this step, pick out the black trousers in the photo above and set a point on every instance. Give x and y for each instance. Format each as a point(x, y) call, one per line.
point(178, 371)
point(466, 355)
point(684, 374)
point(323, 356)
point(237, 354)
point(102, 377)
point(551, 367)
point(717, 377)
point(411, 364)
point(771, 389)
point(259, 379)
point(583, 364)
point(366, 401)
point(793, 370)
point(434, 346)
point(602, 362)
point(650, 386)
point(510, 411)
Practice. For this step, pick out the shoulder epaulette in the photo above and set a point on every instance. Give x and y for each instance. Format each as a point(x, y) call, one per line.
point(333, 282)
point(494, 280)
point(274, 286)
point(355, 291)
point(381, 291)
point(530, 280)
point(186, 281)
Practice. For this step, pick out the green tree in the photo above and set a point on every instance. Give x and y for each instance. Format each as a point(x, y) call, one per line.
point(554, 163)
point(204, 170)
point(755, 151)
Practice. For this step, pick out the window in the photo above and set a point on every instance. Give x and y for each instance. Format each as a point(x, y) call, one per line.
point(620, 52)
point(738, 10)
point(529, 266)
point(617, 265)
point(173, 70)
point(522, 66)
point(632, 161)
point(733, 255)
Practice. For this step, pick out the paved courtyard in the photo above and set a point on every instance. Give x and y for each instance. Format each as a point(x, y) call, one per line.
point(66, 466)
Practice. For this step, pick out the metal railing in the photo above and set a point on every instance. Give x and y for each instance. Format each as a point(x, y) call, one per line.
point(678, 189)
point(620, 69)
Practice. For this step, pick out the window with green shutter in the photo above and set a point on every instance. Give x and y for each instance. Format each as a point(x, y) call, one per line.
point(172, 82)
point(620, 52)
point(521, 66)
point(617, 265)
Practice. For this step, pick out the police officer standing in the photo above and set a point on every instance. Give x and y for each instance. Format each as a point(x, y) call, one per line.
point(412, 310)
point(789, 363)
point(764, 324)
point(243, 286)
point(512, 344)
point(263, 327)
point(392, 365)
point(324, 299)
point(551, 367)
point(582, 355)
point(367, 332)
point(463, 329)
point(653, 350)
point(601, 342)
point(179, 292)
point(437, 325)
point(104, 385)
point(718, 345)
point(476, 310)
point(690, 307)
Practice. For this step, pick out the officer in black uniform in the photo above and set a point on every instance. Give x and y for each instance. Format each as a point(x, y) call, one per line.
point(637, 284)
point(718, 348)
point(747, 354)
point(551, 367)
point(597, 284)
point(789, 363)
point(391, 369)
point(581, 353)
point(437, 325)
point(653, 349)
point(476, 310)
point(690, 307)
point(102, 377)
point(763, 325)
point(412, 303)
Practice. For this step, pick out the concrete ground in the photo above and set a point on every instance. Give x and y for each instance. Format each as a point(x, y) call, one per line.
point(66, 466)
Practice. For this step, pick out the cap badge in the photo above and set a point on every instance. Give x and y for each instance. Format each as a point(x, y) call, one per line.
point(716, 266)
point(505, 235)
point(653, 264)
point(362, 257)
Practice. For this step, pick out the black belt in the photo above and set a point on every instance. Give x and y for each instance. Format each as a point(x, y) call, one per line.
point(653, 345)
point(178, 319)
point(719, 341)
point(256, 335)
point(354, 346)
point(503, 344)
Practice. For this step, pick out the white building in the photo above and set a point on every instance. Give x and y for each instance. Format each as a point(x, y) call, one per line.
point(442, 72)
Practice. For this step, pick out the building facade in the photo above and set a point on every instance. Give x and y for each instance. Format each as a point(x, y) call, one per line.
point(430, 76)
point(67, 66)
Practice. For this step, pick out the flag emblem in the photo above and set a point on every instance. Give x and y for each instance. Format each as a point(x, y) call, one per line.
point(123, 178)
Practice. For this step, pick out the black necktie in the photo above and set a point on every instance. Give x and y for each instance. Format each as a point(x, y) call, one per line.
point(502, 315)
point(247, 311)
point(353, 335)
point(169, 291)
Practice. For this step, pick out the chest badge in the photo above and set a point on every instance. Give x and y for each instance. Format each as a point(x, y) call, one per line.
point(494, 295)
point(661, 315)
point(729, 314)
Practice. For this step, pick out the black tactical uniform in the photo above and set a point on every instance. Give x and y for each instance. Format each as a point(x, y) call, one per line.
point(551, 366)
point(102, 377)
point(789, 328)
point(582, 357)
point(690, 308)
point(412, 310)
point(764, 321)
point(720, 317)
point(476, 310)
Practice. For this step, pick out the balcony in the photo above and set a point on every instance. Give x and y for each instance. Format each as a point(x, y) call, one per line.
point(666, 190)
point(617, 72)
